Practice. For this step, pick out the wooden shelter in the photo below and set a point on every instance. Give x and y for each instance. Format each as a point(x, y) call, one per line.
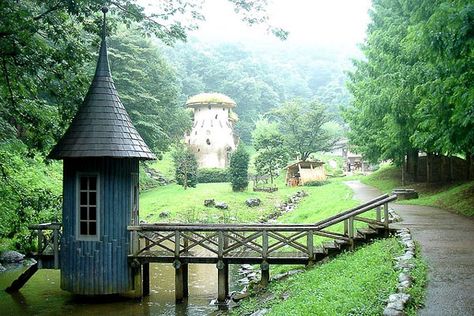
point(305, 171)
point(101, 151)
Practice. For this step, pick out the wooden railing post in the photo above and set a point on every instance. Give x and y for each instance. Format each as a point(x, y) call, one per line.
point(179, 275)
point(222, 271)
point(40, 247)
point(265, 268)
point(146, 274)
point(378, 214)
point(351, 231)
point(385, 216)
point(346, 227)
point(56, 247)
point(309, 243)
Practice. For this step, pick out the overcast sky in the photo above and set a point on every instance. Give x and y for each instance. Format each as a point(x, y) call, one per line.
point(334, 23)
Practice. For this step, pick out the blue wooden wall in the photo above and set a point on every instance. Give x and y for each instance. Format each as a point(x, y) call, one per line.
point(98, 267)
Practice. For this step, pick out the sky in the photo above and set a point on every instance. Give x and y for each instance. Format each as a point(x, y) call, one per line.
point(330, 24)
point(315, 22)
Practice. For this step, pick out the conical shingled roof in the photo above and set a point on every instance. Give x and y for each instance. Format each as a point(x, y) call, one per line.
point(102, 127)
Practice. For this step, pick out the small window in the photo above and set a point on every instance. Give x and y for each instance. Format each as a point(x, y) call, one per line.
point(216, 117)
point(209, 106)
point(223, 109)
point(196, 132)
point(199, 150)
point(208, 141)
point(88, 206)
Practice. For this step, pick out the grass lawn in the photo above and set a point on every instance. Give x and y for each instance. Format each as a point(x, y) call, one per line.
point(355, 283)
point(188, 205)
point(457, 197)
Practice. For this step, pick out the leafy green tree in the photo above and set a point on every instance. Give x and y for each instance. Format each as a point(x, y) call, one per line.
point(304, 127)
point(186, 167)
point(238, 169)
point(148, 88)
point(272, 154)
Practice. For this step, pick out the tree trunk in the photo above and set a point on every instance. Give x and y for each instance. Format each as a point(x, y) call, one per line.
point(415, 165)
point(469, 165)
point(403, 172)
point(451, 169)
point(428, 168)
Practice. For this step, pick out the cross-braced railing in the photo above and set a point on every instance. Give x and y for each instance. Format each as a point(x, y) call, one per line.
point(49, 235)
point(253, 243)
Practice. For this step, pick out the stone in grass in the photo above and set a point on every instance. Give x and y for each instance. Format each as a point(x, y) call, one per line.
point(252, 202)
point(222, 205)
point(260, 312)
point(392, 312)
point(2, 268)
point(209, 203)
point(11, 256)
point(164, 214)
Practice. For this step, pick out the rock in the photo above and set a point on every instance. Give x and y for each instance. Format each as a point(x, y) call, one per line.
point(11, 256)
point(164, 214)
point(392, 312)
point(252, 202)
point(239, 296)
point(402, 277)
point(397, 305)
point(260, 312)
point(246, 266)
point(244, 281)
point(279, 276)
point(209, 203)
point(221, 205)
point(285, 296)
point(292, 272)
point(2, 268)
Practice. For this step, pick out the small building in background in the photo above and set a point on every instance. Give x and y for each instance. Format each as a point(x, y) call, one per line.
point(212, 137)
point(302, 172)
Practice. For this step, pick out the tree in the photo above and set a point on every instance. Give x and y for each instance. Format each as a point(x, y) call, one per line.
point(304, 126)
point(186, 167)
point(272, 155)
point(148, 88)
point(238, 169)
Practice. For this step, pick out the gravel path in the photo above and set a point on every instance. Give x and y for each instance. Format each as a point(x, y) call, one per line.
point(447, 242)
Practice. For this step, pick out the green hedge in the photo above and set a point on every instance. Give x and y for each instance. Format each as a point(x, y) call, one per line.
point(213, 175)
point(315, 183)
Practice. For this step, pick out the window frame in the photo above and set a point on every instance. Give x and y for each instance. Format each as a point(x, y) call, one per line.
point(78, 234)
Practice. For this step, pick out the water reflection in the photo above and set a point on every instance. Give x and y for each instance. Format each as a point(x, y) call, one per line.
point(42, 295)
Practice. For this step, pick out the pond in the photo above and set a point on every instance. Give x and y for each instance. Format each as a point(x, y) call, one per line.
point(42, 294)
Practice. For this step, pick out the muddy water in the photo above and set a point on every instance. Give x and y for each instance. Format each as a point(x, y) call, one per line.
point(43, 296)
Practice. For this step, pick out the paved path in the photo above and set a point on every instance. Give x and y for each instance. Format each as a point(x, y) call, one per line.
point(447, 243)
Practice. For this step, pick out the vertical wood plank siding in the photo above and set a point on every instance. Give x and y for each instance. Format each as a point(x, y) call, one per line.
point(98, 267)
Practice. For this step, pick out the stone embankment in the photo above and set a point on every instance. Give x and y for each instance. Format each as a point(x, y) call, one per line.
point(404, 264)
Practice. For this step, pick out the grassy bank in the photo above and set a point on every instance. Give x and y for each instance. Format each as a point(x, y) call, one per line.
point(188, 205)
point(355, 283)
point(457, 197)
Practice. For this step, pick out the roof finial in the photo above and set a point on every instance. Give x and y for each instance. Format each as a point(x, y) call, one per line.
point(104, 10)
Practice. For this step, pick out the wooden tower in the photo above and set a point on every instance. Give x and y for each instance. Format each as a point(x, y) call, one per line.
point(101, 152)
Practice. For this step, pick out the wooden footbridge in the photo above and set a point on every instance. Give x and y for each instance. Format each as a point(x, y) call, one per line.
point(224, 244)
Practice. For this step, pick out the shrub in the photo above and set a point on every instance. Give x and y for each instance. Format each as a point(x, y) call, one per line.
point(212, 175)
point(186, 167)
point(315, 183)
point(238, 171)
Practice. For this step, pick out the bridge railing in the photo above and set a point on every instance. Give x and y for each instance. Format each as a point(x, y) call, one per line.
point(49, 235)
point(257, 242)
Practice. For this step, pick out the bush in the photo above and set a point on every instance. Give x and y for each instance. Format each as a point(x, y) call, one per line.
point(212, 175)
point(30, 193)
point(315, 183)
point(186, 167)
point(238, 171)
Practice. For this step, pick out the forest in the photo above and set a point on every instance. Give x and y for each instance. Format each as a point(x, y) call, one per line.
point(411, 91)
